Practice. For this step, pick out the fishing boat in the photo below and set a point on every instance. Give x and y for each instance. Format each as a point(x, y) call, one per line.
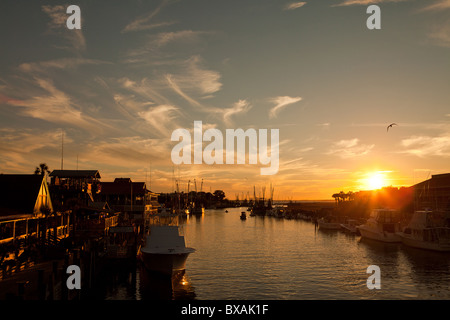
point(350, 226)
point(197, 210)
point(165, 250)
point(422, 232)
point(382, 225)
point(243, 215)
point(329, 223)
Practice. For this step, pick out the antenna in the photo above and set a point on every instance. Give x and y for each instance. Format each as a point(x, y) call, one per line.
point(62, 149)
point(150, 185)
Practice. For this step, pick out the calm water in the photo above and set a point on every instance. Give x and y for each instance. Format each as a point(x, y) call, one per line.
point(265, 258)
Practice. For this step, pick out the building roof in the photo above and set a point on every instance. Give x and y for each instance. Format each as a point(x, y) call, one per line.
point(123, 186)
point(436, 181)
point(75, 174)
point(18, 193)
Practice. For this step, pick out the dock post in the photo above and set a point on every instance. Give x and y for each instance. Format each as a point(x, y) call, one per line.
point(41, 285)
point(21, 289)
point(64, 290)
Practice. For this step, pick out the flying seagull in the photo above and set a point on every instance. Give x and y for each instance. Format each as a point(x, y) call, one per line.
point(390, 126)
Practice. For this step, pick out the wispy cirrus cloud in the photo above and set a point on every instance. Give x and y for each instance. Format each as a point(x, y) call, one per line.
point(130, 152)
point(193, 76)
point(57, 25)
point(19, 147)
point(281, 102)
point(146, 89)
point(242, 106)
point(57, 107)
point(184, 36)
point(365, 2)
point(161, 118)
point(437, 6)
point(144, 22)
point(63, 64)
point(294, 5)
point(423, 146)
point(439, 34)
point(350, 148)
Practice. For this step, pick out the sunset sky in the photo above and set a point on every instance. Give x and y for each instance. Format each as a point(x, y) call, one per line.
point(138, 70)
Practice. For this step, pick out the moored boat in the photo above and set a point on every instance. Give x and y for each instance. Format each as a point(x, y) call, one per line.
point(382, 225)
point(423, 233)
point(197, 210)
point(165, 250)
point(243, 216)
point(329, 223)
point(350, 226)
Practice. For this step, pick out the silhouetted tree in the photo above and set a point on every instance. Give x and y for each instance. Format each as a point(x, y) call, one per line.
point(42, 169)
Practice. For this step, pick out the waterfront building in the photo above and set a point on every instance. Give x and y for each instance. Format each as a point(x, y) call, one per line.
point(433, 193)
point(26, 209)
point(24, 195)
point(130, 197)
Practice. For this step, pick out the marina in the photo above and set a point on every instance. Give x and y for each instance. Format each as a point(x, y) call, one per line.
point(265, 258)
point(133, 244)
point(224, 150)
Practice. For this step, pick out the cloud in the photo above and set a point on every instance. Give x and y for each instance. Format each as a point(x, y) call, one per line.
point(350, 148)
point(325, 125)
point(423, 146)
point(161, 118)
point(19, 148)
point(55, 106)
point(365, 2)
point(440, 34)
point(437, 6)
point(145, 88)
point(178, 90)
point(184, 36)
point(294, 5)
point(63, 64)
point(57, 25)
point(193, 76)
point(143, 22)
point(242, 106)
point(282, 102)
point(128, 152)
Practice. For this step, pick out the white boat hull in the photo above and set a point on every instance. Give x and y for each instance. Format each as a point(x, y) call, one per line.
point(166, 264)
point(378, 235)
point(165, 250)
point(349, 228)
point(427, 245)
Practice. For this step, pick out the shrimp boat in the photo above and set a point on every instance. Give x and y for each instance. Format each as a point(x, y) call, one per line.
point(422, 233)
point(165, 250)
point(382, 225)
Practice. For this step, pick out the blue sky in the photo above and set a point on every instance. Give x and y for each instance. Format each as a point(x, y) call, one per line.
point(137, 70)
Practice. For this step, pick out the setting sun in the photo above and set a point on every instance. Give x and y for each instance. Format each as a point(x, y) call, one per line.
point(375, 180)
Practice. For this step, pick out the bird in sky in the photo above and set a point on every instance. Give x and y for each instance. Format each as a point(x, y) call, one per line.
point(390, 126)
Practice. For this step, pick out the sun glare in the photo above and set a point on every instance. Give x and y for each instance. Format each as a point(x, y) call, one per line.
point(375, 181)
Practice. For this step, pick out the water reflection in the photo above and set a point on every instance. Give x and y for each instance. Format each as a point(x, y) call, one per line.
point(269, 258)
point(154, 286)
point(429, 272)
